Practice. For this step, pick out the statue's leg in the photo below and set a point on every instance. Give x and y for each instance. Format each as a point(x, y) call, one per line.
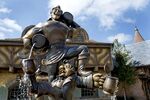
point(45, 88)
point(63, 93)
point(52, 71)
point(82, 53)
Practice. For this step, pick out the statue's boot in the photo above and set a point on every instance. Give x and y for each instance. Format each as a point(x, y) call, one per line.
point(82, 62)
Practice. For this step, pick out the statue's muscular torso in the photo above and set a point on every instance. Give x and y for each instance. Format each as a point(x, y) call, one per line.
point(54, 31)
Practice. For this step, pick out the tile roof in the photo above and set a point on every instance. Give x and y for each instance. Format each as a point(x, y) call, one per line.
point(140, 52)
point(138, 37)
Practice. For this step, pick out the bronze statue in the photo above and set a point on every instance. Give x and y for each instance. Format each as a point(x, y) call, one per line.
point(63, 77)
point(55, 32)
point(64, 84)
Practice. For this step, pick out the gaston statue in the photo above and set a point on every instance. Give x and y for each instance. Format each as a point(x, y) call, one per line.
point(63, 77)
point(56, 34)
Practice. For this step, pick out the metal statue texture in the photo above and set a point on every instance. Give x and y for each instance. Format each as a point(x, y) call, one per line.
point(63, 77)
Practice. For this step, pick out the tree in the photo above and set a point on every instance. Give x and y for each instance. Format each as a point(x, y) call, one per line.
point(123, 65)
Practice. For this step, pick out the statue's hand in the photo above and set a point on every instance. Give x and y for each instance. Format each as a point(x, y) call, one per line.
point(98, 80)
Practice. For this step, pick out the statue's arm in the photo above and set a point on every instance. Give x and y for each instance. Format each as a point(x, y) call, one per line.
point(26, 38)
point(29, 32)
point(84, 82)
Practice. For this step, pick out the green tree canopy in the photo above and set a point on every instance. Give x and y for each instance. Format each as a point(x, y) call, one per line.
point(123, 64)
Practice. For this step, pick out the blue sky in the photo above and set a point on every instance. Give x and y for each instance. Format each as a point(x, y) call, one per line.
point(104, 20)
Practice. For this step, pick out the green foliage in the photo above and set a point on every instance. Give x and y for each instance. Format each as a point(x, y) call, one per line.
point(123, 64)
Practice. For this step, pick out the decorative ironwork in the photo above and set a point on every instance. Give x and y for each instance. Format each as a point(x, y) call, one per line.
point(19, 92)
point(92, 93)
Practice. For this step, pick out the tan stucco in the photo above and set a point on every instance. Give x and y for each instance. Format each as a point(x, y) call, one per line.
point(6, 78)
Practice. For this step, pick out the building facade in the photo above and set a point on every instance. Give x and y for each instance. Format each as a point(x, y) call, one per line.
point(140, 52)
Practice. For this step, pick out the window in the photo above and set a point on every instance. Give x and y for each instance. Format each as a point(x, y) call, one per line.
point(89, 93)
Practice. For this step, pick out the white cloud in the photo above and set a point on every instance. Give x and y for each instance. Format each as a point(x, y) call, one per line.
point(129, 20)
point(122, 37)
point(108, 12)
point(83, 18)
point(4, 10)
point(9, 26)
point(2, 35)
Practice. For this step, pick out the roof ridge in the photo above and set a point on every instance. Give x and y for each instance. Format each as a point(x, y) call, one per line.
point(138, 42)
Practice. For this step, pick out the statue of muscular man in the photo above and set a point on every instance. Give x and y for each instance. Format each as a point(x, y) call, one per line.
point(55, 33)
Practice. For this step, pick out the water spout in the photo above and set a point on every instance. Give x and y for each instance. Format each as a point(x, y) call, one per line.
point(30, 54)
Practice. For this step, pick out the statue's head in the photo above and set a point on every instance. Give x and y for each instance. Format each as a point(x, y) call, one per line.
point(56, 12)
point(66, 70)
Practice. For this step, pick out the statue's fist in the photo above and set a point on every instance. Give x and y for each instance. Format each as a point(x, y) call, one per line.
point(98, 80)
